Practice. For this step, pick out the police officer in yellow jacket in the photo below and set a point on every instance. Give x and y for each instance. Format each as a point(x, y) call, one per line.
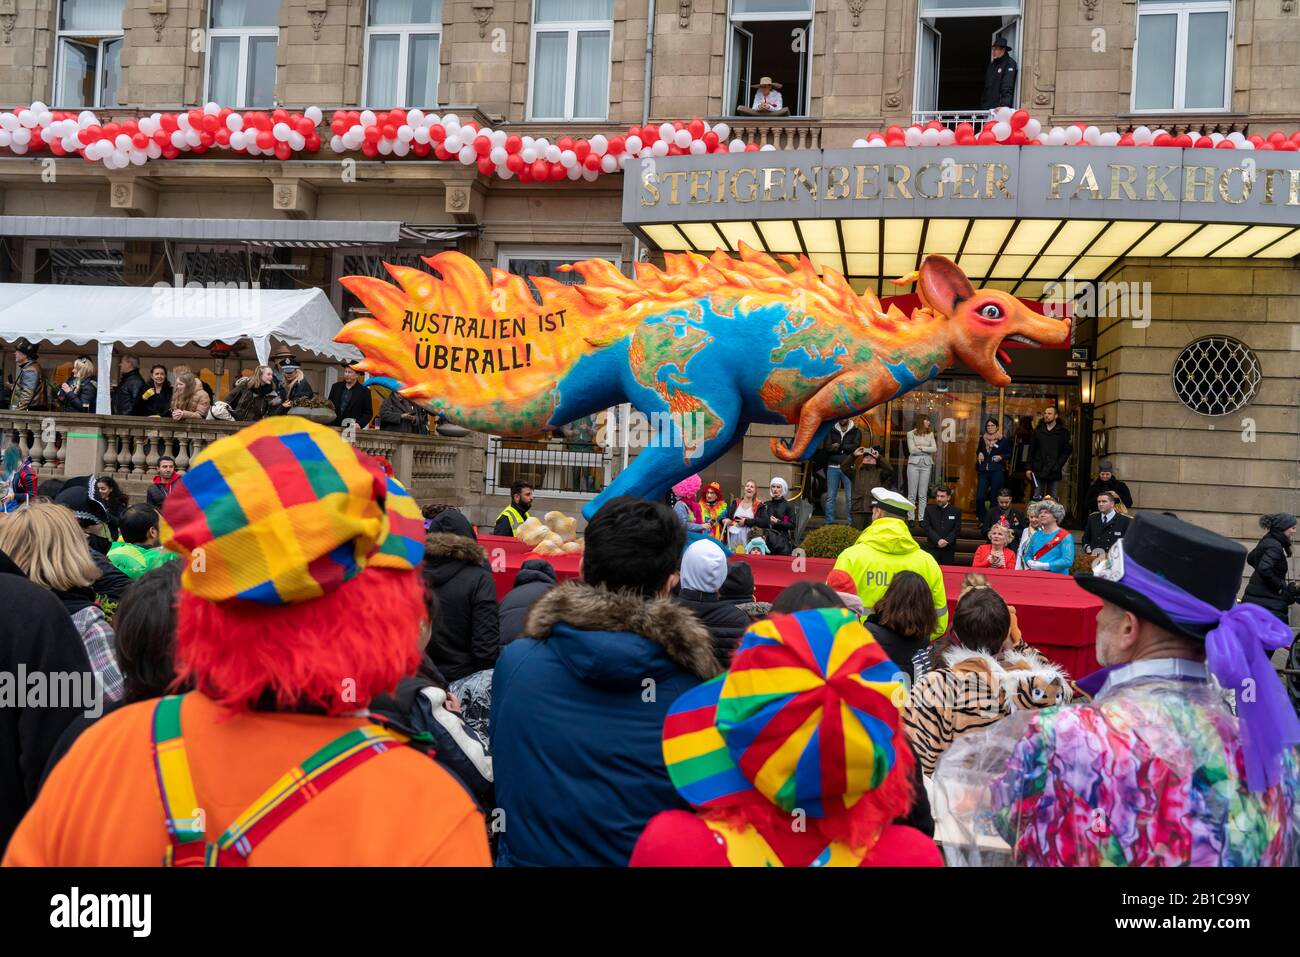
point(886, 548)
point(516, 513)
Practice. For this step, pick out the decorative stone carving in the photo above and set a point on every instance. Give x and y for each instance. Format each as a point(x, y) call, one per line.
point(158, 20)
point(1090, 9)
point(317, 19)
point(483, 13)
point(7, 27)
point(684, 13)
point(855, 8)
point(1042, 99)
point(457, 199)
point(893, 101)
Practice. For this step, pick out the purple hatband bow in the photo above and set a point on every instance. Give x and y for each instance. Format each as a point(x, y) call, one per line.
point(1237, 652)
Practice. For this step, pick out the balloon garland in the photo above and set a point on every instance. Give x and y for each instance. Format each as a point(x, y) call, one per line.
point(285, 134)
point(1010, 127)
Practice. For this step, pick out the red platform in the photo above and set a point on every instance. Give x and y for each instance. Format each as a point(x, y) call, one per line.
point(1056, 616)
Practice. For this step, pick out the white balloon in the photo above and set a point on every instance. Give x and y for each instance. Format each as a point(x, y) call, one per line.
point(385, 147)
point(1245, 145)
point(666, 131)
point(633, 144)
point(498, 138)
point(608, 164)
point(405, 133)
point(450, 120)
point(573, 172)
point(281, 132)
point(183, 121)
point(415, 117)
point(212, 109)
point(553, 154)
point(192, 138)
point(467, 155)
point(1109, 139)
point(86, 118)
point(659, 148)
point(297, 141)
point(26, 119)
point(1142, 136)
point(153, 150)
point(528, 154)
point(19, 148)
point(1092, 136)
point(1033, 128)
point(452, 144)
point(5, 138)
point(336, 143)
point(682, 138)
point(947, 137)
point(138, 157)
point(148, 126)
point(698, 148)
point(314, 114)
point(599, 144)
point(929, 137)
point(767, 148)
point(22, 136)
point(368, 118)
point(1236, 137)
point(1001, 131)
point(735, 146)
point(504, 173)
point(876, 144)
point(723, 131)
point(590, 175)
point(1004, 113)
point(1056, 137)
point(1073, 135)
point(1217, 138)
point(401, 147)
point(420, 134)
point(646, 153)
point(498, 156)
point(912, 136)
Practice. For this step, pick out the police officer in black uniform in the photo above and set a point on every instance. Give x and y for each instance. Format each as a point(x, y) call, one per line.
point(999, 78)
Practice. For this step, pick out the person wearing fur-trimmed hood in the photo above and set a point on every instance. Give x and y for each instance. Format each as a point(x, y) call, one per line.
point(580, 700)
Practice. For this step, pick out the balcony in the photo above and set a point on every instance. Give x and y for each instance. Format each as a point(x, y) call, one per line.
point(784, 133)
point(950, 118)
point(434, 468)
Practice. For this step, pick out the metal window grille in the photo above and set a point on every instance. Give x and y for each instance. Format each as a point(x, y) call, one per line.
point(1216, 375)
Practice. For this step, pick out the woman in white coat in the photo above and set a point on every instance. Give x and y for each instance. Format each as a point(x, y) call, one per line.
point(921, 448)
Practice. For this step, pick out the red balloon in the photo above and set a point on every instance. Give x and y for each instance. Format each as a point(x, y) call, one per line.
point(222, 136)
point(960, 129)
point(482, 145)
point(282, 151)
point(526, 175)
point(440, 151)
point(893, 132)
point(676, 150)
point(338, 127)
point(196, 118)
point(540, 170)
point(370, 149)
point(515, 163)
point(1277, 136)
point(139, 141)
point(390, 131)
point(617, 145)
point(313, 143)
point(710, 140)
point(1018, 119)
point(985, 138)
point(210, 122)
point(168, 122)
point(396, 117)
point(279, 114)
point(514, 144)
point(1288, 146)
point(1266, 146)
point(420, 149)
point(170, 152)
point(1202, 143)
point(206, 139)
point(111, 130)
point(591, 161)
point(558, 172)
point(751, 148)
point(1126, 139)
point(486, 166)
point(129, 127)
point(265, 140)
point(437, 132)
point(648, 135)
point(1184, 140)
point(581, 149)
point(565, 142)
point(200, 150)
point(695, 128)
point(965, 139)
point(161, 138)
point(371, 135)
point(1225, 145)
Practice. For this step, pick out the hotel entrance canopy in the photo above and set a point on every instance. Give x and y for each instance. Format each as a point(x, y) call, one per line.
point(1014, 218)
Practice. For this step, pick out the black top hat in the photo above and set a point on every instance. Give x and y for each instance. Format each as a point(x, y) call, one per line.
point(26, 347)
point(1002, 43)
point(81, 495)
point(1201, 563)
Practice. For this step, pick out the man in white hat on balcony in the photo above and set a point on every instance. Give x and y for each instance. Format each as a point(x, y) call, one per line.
point(767, 99)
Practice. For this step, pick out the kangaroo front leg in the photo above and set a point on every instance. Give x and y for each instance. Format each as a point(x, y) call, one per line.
point(846, 395)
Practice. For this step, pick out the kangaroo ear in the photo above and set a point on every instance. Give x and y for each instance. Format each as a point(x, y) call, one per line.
point(942, 285)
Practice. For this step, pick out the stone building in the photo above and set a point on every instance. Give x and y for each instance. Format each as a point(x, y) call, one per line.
point(579, 67)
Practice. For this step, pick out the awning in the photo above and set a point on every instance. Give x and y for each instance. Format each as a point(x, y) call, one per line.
point(1028, 221)
point(298, 319)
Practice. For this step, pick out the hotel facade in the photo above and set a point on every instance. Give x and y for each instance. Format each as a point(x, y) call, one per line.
point(1177, 266)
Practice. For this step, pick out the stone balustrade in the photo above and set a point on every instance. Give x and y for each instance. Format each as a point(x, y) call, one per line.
point(788, 134)
point(434, 468)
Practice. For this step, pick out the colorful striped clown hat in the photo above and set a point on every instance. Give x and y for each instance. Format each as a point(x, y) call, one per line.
point(285, 511)
point(808, 717)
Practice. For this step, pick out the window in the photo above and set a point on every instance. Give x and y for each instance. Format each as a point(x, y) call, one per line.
point(89, 53)
point(1181, 60)
point(241, 52)
point(403, 43)
point(570, 62)
point(954, 49)
point(769, 38)
point(1216, 375)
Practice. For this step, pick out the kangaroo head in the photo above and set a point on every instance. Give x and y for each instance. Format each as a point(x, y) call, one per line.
point(981, 320)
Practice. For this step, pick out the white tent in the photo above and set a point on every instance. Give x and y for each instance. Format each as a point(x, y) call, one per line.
point(299, 319)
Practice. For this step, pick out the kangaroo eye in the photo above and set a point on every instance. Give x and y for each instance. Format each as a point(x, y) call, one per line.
point(991, 311)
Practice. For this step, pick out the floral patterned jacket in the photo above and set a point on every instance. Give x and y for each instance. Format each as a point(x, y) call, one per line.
point(1149, 773)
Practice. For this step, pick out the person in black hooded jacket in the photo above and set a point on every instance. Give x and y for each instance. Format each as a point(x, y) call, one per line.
point(535, 578)
point(703, 573)
point(1268, 586)
point(466, 635)
point(42, 639)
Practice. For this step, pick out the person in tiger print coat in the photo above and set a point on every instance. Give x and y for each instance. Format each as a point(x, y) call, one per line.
point(989, 676)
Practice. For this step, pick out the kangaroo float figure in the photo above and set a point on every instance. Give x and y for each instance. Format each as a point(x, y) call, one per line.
point(709, 344)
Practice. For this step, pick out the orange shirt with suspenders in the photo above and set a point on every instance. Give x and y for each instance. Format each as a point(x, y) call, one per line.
point(356, 796)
